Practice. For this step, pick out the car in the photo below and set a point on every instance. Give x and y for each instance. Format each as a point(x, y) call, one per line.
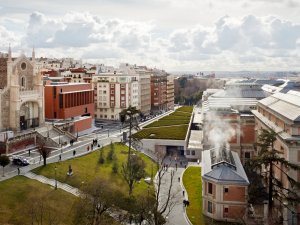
point(20, 161)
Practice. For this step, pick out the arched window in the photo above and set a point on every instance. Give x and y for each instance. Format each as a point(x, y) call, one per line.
point(23, 81)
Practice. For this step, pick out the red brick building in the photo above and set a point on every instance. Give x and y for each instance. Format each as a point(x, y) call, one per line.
point(70, 101)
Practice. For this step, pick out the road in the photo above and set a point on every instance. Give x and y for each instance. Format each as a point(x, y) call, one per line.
point(104, 137)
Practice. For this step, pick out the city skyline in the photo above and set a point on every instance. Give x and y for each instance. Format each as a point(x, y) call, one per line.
point(172, 35)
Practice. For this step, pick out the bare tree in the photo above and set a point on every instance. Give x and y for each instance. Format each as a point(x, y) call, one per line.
point(44, 150)
point(132, 171)
point(99, 198)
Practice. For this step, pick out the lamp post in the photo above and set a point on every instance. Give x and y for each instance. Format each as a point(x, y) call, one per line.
point(55, 168)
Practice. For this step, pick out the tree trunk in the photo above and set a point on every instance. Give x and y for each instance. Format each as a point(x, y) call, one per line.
point(270, 189)
point(45, 161)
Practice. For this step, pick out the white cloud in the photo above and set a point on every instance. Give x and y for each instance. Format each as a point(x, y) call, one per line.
point(231, 42)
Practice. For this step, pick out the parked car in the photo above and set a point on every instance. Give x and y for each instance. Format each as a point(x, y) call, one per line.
point(20, 161)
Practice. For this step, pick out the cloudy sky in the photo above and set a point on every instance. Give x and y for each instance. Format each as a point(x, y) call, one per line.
point(179, 35)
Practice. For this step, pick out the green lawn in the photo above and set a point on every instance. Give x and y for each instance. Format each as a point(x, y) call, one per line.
point(171, 127)
point(20, 195)
point(185, 109)
point(86, 168)
point(162, 123)
point(192, 182)
point(171, 133)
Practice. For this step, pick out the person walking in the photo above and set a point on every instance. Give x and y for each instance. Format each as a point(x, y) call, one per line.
point(18, 171)
point(183, 193)
point(60, 157)
point(74, 153)
point(88, 148)
point(178, 179)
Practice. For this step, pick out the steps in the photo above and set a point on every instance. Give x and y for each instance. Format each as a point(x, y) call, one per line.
point(51, 182)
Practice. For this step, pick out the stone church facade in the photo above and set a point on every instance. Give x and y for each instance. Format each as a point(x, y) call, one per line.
point(21, 93)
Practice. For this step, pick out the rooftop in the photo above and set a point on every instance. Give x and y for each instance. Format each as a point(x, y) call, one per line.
point(224, 169)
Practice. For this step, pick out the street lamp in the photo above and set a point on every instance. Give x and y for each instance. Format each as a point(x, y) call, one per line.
point(55, 168)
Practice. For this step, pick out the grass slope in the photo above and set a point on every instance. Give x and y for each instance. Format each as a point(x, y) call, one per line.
point(170, 133)
point(18, 195)
point(193, 184)
point(86, 168)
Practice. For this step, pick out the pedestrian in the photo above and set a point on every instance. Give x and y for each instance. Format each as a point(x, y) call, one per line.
point(176, 165)
point(60, 157)
point(74, 152)
point(92, 147)
point(18, 171)
point(98, 145)
point(183, 193)
point(28, 152)
point(178, 179)
point(88, 148)
point(184, 203)
point(187, 203)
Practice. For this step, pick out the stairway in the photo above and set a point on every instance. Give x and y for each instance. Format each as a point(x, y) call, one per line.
point(51, 182)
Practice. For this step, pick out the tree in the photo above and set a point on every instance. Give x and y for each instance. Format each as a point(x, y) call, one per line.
point(267, 161)
point(133, 170)
point(111, 153)
point(44, 150)
point(101, 158)
point(99, 197)
point(4, 161)
point(164, 198)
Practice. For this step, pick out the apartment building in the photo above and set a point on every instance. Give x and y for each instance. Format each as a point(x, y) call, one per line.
point(281, 112)
point(70, 101)
point(143, 76)
point(170, 92)
point(224, 185)
point(114, 92)
point(78, 75)
point(158, 90)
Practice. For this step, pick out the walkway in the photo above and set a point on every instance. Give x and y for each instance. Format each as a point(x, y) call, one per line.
point(51, 182)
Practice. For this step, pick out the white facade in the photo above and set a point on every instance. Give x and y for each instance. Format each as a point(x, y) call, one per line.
point(113, 93)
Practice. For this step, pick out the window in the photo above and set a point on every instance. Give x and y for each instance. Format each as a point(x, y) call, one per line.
point(105, 116)
point(188, 152)
point(112, 86)
point(225, 211)
point(226, 190)
point(122, 98)
point(23, 81)
point(112, 116)
point(247, 155)
point(122, 85)
point(122, 92)
point(209, 207)
point(104, 92)
point(210, 188)
point(112, 91)
point(193, 152)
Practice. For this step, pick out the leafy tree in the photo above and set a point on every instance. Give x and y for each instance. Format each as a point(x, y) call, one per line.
point(115, 167)
point(101, 158)
point(132, 171)
point(111, 153)
point(270, 159)
point(4, 161)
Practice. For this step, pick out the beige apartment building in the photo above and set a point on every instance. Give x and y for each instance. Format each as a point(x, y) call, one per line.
point(281, 112)
point(142, 74)
point(113, 93)
point(170, 92)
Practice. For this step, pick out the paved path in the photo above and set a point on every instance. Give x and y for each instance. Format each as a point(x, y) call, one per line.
point(52, 182)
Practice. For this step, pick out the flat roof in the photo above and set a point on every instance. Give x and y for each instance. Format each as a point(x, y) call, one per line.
point(195, 140)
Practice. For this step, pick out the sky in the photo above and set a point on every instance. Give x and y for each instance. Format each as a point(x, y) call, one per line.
point(175, 35)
